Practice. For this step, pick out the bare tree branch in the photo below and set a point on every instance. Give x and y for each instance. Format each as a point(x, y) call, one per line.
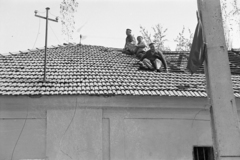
point(159, 36)
point(67, 10)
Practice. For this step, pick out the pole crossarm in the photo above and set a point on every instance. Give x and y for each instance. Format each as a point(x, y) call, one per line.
point(45, 55)
point(55, 20)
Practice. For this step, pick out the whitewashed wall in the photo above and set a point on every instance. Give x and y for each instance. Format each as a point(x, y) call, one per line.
point(96, 128)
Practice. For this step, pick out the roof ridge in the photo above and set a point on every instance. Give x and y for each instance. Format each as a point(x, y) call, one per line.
point(35, 49)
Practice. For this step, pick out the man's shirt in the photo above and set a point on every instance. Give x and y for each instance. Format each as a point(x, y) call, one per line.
point(130, 39)
point(142, 43)
point(152, 56)
point(130, 43)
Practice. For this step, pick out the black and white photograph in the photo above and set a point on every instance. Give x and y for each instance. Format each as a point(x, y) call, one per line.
point(119, 79)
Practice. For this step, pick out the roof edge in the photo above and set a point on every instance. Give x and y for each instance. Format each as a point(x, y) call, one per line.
point(106, 102)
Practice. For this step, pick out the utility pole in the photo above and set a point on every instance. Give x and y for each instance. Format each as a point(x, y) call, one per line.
point(45, 55)
point(224, 117)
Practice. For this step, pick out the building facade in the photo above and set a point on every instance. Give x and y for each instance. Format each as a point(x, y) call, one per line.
point(97, 108)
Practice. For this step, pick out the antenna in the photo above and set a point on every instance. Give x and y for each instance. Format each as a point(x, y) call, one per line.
point(79, 30)
point(80, 38)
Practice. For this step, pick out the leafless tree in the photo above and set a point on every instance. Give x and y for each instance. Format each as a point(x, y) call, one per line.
point(184, 43)
point(159, 36)
point(67, 10)
point(230, 16)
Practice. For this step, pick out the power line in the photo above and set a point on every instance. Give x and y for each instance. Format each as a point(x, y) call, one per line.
point(74, 113)
point(52, 14)
point(19, 135)
point(54, 33)
point(41, 11)
point(39, 24)
point(55, 15)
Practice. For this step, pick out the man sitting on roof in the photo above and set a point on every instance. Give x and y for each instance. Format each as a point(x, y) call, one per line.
point(153, 59)
point(130, 44)
point(140, 47)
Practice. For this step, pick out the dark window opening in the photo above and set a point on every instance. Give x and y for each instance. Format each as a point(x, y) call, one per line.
point(203, 153)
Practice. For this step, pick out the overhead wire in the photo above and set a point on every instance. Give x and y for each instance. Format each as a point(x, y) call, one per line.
point(54, 34)
point(52, 29)
point(204, 108)
point(85, 36)
point(19, 135)
point(55, 15)
point(39, 25)
point(71, 121)
point(95, 36)
point(41, 11)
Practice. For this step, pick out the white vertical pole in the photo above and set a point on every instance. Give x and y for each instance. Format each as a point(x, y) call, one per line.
point(225, 125)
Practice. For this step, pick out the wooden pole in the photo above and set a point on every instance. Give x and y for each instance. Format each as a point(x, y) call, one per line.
point(224, 117)
point(46, 34)
point(45, 55)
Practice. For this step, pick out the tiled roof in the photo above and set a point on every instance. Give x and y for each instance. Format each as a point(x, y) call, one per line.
point(95, 70)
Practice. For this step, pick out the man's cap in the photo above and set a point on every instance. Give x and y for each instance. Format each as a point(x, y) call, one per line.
point(128, 29)
point(151, 44)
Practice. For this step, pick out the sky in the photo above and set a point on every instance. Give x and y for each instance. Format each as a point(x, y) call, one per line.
point(103, 22)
